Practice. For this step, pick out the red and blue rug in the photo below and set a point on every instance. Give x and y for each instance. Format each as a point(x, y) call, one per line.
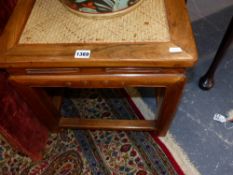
point(96, 152)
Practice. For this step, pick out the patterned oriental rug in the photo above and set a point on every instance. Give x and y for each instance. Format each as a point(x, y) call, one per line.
point(97, 152)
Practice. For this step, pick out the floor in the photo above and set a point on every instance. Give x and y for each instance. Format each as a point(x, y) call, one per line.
point(209, 144)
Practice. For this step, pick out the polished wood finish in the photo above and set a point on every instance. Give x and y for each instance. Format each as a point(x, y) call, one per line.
point(168, 104)
point(206, 82)
point(112, 65)
point(98, 81)
point(15, 25)
point(106, 54)
point(136, 125)
point(180, 27)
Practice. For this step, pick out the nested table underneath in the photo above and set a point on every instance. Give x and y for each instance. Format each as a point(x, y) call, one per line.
point(149, 47)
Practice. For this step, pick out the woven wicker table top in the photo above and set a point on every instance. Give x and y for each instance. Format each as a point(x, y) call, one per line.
point(51, 22)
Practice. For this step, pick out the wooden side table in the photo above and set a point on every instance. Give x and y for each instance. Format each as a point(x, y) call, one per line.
point(151, 46)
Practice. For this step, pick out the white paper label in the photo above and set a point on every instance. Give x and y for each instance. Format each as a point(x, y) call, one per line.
point(85, 54)
point(219, 118)
point(175, 50)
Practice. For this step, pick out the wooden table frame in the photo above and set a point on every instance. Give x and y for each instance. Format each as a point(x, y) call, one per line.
point(111, 66)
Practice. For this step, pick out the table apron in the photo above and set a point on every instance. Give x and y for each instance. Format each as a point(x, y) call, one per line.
point(98, 80)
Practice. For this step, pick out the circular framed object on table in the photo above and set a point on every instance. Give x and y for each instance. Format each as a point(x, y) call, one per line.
point(101, 8)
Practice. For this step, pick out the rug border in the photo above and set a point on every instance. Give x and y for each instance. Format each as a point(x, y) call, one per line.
point(175, 165)
point(169, 141)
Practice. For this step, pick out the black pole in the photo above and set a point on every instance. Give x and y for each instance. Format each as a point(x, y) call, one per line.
point(206, 82)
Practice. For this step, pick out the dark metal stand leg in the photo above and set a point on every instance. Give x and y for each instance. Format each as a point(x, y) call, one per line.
point(206, 82)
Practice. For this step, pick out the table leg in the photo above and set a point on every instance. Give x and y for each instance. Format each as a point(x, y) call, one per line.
point(40, 104)
point(206, 82)
point(170, 87)
point(168, 103)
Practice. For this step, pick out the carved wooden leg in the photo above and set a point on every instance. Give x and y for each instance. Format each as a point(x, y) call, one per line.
point(40, 104)
point(168, 105)
point(206, 82)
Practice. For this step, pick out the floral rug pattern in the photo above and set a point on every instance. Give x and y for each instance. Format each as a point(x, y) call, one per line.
point(96, 152)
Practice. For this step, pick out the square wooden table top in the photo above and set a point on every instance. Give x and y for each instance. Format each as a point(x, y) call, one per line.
point(45, 34)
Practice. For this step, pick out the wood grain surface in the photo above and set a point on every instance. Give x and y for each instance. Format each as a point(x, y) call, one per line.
point(144, 64)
